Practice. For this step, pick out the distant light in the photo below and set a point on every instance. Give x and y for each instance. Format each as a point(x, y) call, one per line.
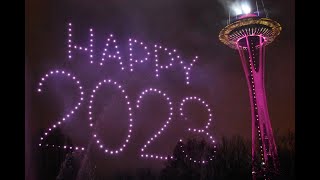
point(245, 8)
point(237, 10)
point(242, 8)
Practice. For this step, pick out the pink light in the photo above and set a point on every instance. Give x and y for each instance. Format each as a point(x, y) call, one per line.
point(158, 92)
point(194, 98)
point(112, 83)
point(132, 58)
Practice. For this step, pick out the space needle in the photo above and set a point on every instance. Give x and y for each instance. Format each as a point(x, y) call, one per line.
point(250, 32)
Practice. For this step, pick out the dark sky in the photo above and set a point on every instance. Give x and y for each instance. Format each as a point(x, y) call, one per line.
point(191, 27)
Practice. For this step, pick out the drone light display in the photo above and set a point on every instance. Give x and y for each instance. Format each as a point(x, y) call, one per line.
point(61, 73)
point(95, 134)
point(112, 51)
point(166, 124)
point(200, 131)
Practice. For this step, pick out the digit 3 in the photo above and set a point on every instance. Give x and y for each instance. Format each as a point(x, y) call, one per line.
point(199, 131)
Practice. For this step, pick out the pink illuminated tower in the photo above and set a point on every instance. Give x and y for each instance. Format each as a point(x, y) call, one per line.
point(250, 33)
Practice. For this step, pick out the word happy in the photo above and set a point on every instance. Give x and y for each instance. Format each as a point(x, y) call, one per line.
point(112, 52)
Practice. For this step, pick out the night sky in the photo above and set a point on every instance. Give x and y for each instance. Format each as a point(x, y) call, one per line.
point(190, 27)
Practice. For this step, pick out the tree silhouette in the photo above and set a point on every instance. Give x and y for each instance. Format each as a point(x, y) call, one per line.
point(286, 153)
point(181, 167)
point(68, 170)
point(232, 160)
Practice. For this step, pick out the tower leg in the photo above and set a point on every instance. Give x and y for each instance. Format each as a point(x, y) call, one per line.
point(264, 151)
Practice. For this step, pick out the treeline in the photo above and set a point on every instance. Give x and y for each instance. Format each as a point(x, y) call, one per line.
point(232, 161)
